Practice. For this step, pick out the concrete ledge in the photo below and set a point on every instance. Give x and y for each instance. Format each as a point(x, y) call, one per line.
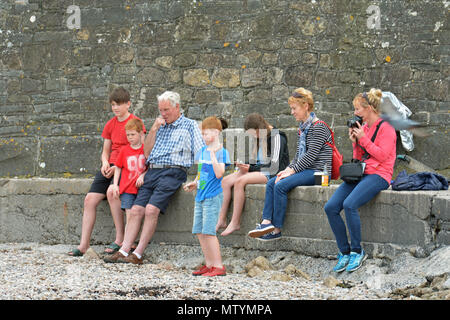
point(50, 211)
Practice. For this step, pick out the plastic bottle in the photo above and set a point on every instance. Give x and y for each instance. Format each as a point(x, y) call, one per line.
point(325, 177)
point(236, 168)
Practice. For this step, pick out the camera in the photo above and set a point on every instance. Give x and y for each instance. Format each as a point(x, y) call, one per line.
point(351, 123)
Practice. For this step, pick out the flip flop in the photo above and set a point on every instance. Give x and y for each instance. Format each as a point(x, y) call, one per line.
point(75, 253)
point(114, 248)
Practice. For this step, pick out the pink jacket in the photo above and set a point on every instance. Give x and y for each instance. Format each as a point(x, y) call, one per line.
point(382, 152)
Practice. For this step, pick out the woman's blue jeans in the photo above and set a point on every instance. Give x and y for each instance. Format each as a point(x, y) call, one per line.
point(350, 197)
point(276, 199)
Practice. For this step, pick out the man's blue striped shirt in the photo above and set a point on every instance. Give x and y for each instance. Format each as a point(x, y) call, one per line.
point(177, 143)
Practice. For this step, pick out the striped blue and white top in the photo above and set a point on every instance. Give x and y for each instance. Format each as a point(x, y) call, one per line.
point(318, 153)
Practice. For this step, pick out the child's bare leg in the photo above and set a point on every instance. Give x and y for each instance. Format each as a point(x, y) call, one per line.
point(201, 239)
point(211, 250)
point(239, 199)
point(227, 185)
point(127, 214)
point(117, 215)
point(134, 221)
point(91, 202)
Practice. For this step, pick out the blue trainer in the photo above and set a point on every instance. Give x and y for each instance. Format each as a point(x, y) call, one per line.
point(356, 260)
point(343, 260)
point(260, 230)
point(270, 236)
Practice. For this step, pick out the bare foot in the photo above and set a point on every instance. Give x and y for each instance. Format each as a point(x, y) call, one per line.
point(230, 229)
point(221, 225)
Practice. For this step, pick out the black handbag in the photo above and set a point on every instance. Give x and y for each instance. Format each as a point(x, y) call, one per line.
point(353, 172)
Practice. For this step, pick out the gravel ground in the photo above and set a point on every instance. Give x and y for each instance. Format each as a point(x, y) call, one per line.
point(45, 272)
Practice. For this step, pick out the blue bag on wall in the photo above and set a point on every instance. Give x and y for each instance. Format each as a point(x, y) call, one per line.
point(419, 181)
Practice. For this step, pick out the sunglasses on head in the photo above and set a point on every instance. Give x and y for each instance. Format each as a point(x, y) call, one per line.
point(366, 97)
point(295, 94)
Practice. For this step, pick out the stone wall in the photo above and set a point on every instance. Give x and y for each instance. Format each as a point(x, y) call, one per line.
point(61, 58)
point(50, 211)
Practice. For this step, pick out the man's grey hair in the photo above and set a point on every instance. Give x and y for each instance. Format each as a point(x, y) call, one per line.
point(172, 97)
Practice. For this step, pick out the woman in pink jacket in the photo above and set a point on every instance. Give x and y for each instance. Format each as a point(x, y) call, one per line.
point(380, 159)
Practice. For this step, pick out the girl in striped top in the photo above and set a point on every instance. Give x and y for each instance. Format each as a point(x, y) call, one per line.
point(312, 155)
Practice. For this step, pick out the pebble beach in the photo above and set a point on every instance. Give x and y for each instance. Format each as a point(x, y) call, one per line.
point(32, 271)
point(42, 272)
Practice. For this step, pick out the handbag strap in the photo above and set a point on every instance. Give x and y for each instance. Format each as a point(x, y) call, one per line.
point(331, 131)
point(366, 155)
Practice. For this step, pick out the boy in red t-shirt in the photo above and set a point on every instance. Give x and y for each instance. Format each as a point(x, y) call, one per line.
point(114, 139)
point(130, 165)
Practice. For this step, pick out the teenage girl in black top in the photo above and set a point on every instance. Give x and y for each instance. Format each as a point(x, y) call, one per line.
point(270, 155)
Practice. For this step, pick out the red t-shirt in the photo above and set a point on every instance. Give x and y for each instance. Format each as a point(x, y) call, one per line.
point(114, 130)
point(132, 162)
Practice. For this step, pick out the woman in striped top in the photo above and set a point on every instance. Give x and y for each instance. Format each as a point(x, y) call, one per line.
point(312, 155)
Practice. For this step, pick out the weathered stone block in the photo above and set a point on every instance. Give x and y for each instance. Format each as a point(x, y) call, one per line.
point(269, 59)
point(185, 59)
point(425, 149)
point(192, 28)
point(31, 85)
point(122, 54)
point(252, 77)
point(196, 77)
point(291, 57)
point(165, 62)
point(61, 155)
point(18, 156)
point(207, 96)
point(151, 76)
point(325, 79)
point(226, 78)
point(260, 95)
point(34, 58)
point(262, 26)
point(299, 76)
point(441, 206)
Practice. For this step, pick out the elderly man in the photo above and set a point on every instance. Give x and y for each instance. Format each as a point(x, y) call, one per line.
point(169, 146)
